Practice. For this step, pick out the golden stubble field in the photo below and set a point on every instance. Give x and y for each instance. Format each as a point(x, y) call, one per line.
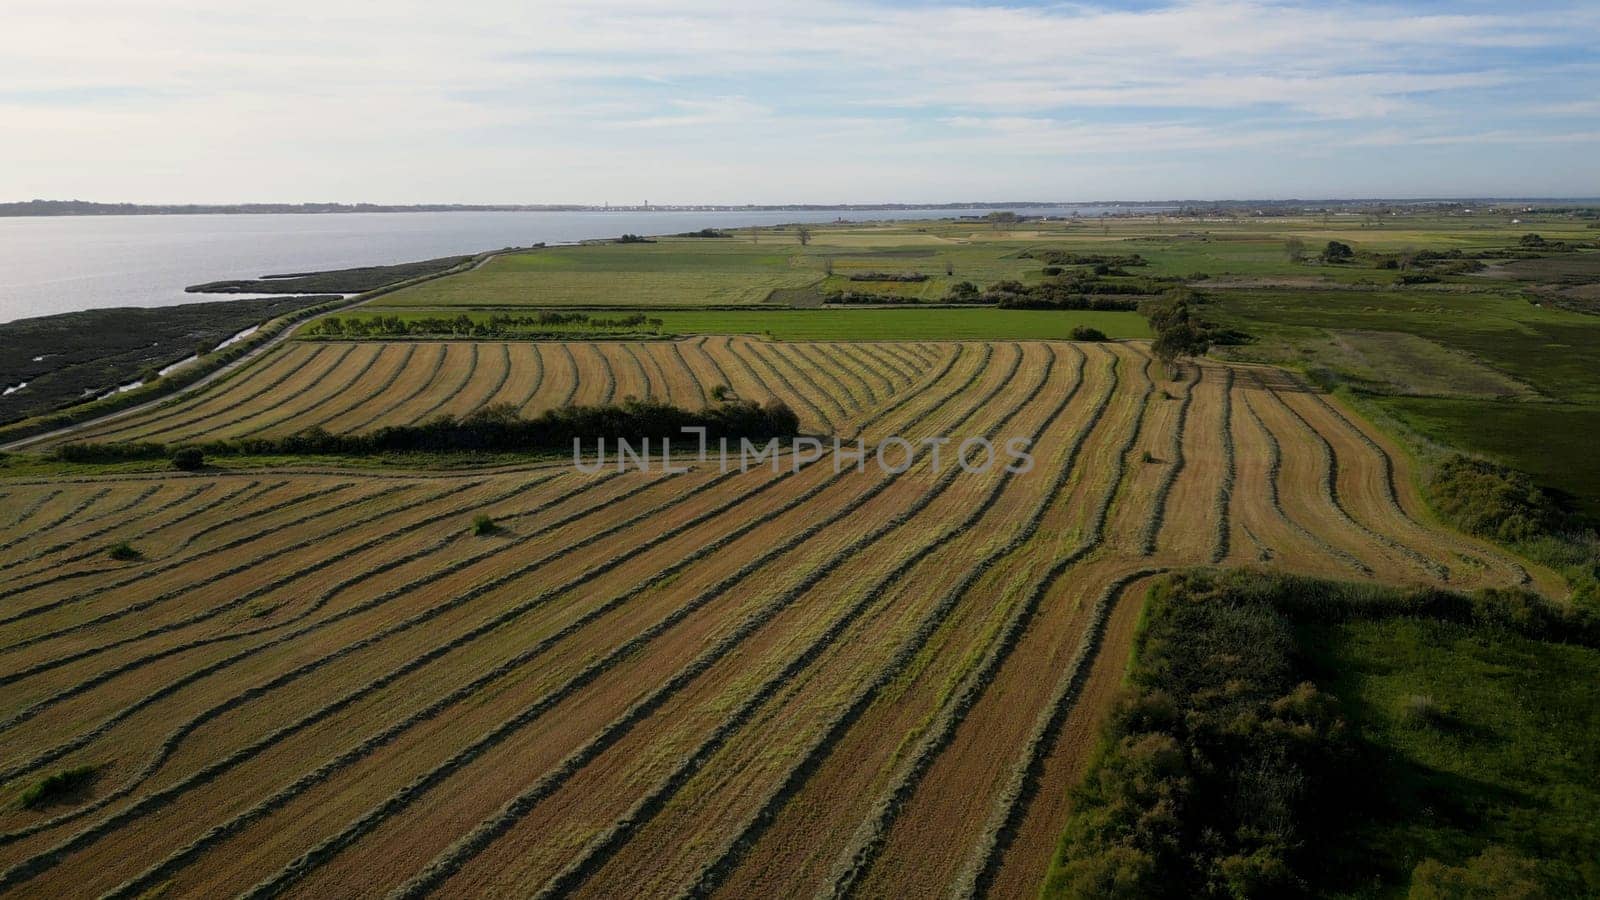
point(319, 682)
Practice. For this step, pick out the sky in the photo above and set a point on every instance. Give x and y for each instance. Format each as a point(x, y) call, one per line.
point(775, 101)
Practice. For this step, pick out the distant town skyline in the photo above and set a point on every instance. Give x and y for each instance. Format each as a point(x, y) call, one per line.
point(697, 102)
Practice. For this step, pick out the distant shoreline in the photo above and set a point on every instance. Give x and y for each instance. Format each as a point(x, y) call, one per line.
point(57, 208)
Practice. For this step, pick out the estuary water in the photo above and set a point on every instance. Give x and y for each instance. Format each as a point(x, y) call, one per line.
point(61, 264)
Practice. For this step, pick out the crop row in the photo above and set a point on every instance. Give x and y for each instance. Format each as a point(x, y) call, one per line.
point(326, 393)
point(1330, 489)
point(577, 374)
point(33, 508)
point(257, 590)
point(1274, 498)
point(450, 394)
point(381, 414)
point(142, 605)
point(80, 539)
point(1224, 501)
point(1022, 783)
point(248, 492)
point(77, 509)
point(189, 414)
point(288, 360)
point(379, 390)
point(536, 382)
point(688, 373)
point(210, 426)
point(864, 843)
point(649, 384)
point(175, 738)
point(1147, 540)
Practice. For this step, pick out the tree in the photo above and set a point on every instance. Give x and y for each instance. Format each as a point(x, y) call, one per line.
point(1337, 252)
point(1295, 248)
point(827, 265)
point(1179, 335)
point(804, 234)
point(188, 459)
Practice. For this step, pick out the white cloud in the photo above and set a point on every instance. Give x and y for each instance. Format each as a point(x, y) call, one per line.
point(358, 100)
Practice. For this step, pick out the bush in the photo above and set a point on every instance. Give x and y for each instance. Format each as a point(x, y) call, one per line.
point(1052, 270)
point(56, 787)
point(1337, 252)
point(1483, 498)
point(1086, 333)
point(188, 459)
point(124, 552)
point(483, 524)
point(1495, 873)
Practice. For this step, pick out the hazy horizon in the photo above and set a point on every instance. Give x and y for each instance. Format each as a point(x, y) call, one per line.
point(877, 101)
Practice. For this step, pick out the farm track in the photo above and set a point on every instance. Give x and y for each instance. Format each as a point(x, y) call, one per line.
point(724, 684)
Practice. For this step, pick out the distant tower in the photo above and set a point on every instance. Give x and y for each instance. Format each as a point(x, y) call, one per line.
point(647, 204)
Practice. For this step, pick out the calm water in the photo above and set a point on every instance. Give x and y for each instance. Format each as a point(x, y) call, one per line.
point(55, 265)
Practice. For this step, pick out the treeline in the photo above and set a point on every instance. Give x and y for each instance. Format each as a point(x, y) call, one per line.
point(888, 276)
point(1065, 258)
point(494, 429)
point(463, 325)
point(1224, 770)
point(702, 233)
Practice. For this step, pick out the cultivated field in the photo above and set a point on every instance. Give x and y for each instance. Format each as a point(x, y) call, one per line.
point(358, 386)
point(740, 684)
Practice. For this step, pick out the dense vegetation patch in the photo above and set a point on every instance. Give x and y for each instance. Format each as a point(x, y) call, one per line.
point(73, 357)
point(497, 429)
point(56, 787)
point(1501, 503)
point(336, 281)
point(1237, 764)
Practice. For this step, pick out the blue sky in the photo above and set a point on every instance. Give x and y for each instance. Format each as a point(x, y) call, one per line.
point(687, 101)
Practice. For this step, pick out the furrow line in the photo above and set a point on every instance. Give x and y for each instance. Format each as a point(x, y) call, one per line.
point(1274, 475)
point(1224, 501)
point(1023, 784)
point(858, 856)
point(377, 391)
point(209, 576)
point(327, 395)
point(419, 390)
point(203, 420)
point(466, 379)
point(1152, 528)
point(577, 374)
point(1330, 462)
point(77, 509)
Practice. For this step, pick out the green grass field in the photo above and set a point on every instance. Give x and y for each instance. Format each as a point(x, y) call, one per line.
point(1507, 758)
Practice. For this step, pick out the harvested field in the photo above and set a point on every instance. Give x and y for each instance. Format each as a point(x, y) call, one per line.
point(323, 683)
point(359, 386)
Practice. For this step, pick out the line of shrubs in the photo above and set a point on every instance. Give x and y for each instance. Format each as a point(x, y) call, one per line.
point(496, 428)
point(495, 325)
point(887, 276)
